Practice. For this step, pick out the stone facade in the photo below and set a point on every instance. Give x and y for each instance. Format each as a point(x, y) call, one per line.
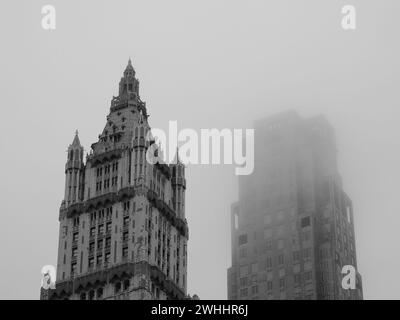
point(123, 232)
point(293, 227)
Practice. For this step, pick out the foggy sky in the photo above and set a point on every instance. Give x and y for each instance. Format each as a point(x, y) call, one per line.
point(205, 64)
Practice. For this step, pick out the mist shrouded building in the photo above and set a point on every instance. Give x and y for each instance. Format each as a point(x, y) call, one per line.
point(293, 227)
point(123, 232)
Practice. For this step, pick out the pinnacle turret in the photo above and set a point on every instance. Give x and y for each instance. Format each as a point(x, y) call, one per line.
point(129, 84)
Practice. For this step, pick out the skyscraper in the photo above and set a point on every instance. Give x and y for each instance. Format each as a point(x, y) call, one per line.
point(123, 232)
point(293, 227)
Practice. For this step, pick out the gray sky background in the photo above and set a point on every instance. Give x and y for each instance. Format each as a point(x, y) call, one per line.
point(205, 64)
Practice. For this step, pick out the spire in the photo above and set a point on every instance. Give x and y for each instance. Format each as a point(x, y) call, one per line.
point(75, 149)
point(129, 84)
point(129, 71)
point(177, 161)
point(76, 142)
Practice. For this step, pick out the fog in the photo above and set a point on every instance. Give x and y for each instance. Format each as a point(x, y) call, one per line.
point(205, 64)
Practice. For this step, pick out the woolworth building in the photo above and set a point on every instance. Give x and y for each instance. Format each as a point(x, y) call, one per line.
point(123, 232)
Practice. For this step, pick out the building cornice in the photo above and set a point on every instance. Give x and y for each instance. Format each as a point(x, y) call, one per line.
point(112, 274)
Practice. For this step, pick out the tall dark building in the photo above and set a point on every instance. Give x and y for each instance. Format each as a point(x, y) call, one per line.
point(123, 232)
point(293, 227)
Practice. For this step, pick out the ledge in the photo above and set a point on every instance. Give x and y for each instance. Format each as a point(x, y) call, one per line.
point(95, 160)
point(168, 213)
point(116, 273)
point(98, 202)
point(127, 193)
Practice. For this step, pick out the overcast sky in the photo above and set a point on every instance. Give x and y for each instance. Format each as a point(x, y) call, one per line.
point(205, 64)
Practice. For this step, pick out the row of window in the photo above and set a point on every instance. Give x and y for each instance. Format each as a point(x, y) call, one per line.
point(268, 264)
point(282, 282)
point(98, 294)
point(100, 214)
point(106, 183)
point(107, 169)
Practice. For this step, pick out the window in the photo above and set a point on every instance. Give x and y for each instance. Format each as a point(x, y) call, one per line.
point(91, 263)
point(308, 276)
point(99, 261)
point(74, 252)
point(243, 282)
point(269, 263)
point(281, 244)
point(281, 259)
point(75, 237)
point(117, 287)
point(73, 268)
point(108, 242)
point(254, 290)
point(126, 221)
point(297, 280)
point(243, 292)
point(125, 253)
point(296, 256)
point(305, 222)
point(244, 270)
point(107, 258)
point(100, 293)
point(101, 228)
point(108, 227)
point(307, 253)
point(126, 284)
point(242, 239)
point(269, 285)
point(282, 283)
point(76, 222)
point(268, 244)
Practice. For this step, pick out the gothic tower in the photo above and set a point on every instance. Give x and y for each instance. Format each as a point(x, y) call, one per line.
point(123, 232)
point(74, 173)
point(178, 187)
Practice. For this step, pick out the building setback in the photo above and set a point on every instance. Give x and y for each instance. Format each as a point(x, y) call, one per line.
point(123, 232)
point(293, 227)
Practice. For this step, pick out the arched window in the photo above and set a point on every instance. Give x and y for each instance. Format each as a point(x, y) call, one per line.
point(100, 293)
point(91, 295)
point(117, 287)
point(126, 284)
